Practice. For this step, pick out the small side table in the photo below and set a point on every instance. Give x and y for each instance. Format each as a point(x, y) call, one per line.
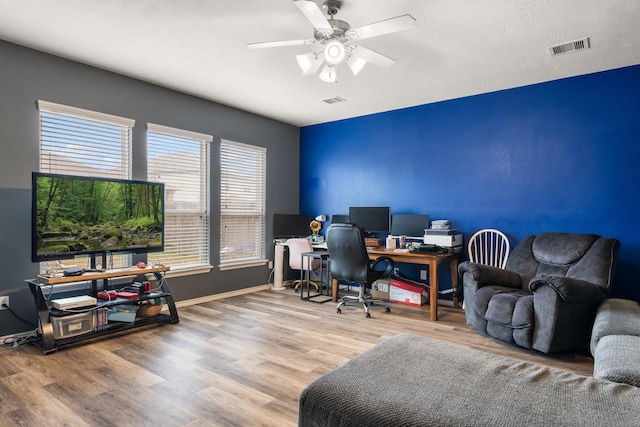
point(325, 282)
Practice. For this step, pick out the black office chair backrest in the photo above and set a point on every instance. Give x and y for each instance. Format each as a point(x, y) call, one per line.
point(348, 253)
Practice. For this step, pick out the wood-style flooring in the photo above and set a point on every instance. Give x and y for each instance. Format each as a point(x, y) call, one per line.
point(239, 361)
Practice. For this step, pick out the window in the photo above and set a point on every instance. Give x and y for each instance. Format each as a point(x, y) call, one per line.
point(242, 204)
point(74, 141)
point(181, 160)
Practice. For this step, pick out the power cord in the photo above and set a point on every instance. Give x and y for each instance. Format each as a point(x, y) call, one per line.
point(16, 342)
point(18, 317)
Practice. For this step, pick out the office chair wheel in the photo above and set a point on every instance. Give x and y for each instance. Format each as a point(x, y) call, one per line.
point(387, 310)
point(367, 315)
point(338, 311)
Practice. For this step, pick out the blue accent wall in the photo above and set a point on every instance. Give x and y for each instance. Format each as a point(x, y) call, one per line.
point(556, 156)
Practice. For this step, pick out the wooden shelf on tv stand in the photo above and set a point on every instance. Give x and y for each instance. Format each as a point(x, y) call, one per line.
point(107, 274)
point(51, 338)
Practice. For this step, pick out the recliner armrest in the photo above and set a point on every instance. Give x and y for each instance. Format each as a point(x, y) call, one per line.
point(569, 289)
point(486, 275)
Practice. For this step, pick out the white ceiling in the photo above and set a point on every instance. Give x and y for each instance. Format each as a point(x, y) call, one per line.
point(459, 48)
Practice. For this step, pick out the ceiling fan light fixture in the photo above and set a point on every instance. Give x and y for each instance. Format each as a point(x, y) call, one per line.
point(334, 52)
point(329, 74)
point(309, 63)
point(356, 64)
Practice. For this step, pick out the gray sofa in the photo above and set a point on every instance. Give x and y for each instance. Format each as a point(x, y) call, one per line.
point(416, 381)
point(615, 342)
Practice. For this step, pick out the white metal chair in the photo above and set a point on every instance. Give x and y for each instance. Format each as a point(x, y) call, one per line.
point(489, 247)
point(296, 248)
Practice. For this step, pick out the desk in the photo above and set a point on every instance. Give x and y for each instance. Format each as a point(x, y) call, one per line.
point(422, 258)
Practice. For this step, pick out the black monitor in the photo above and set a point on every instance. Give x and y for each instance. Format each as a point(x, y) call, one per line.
point(339, 219)
point(290, 225)
point(409, 225)
point(372, 219)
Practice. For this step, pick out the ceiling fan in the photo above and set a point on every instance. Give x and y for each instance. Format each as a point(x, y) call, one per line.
point(338, 41)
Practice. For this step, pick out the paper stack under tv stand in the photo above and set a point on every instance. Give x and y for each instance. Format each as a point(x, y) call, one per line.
point(44, 287)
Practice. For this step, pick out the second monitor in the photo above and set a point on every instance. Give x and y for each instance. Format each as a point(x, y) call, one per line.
point(409, 225)
point(372, 219)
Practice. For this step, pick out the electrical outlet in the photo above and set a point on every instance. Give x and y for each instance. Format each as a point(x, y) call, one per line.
point(4, 300)
point(423, 274)
point(270, 265)
point(396, 271)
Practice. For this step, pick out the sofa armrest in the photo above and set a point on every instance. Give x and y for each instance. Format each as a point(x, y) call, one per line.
point(485, 275)
point(573, 291)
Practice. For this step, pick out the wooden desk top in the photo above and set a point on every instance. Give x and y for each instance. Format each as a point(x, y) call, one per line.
point(119, 272)
point(413, 257)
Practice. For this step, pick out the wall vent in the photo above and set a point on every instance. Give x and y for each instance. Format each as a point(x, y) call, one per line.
point(334, 100)
point(573, 46)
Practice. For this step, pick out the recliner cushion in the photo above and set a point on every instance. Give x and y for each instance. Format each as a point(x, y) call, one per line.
point(562, 248)
point(508, 312)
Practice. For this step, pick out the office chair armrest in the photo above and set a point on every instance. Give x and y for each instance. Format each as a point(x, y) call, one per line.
point(380, 260)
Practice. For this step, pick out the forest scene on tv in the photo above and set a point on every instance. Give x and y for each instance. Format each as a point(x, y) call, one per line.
point(75, 216)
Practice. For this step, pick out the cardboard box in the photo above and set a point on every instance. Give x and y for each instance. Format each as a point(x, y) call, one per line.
point(406, 293)
point(380, 289)
point(444, 241)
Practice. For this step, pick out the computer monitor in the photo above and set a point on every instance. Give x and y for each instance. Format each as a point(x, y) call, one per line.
point(372, 219)
point(290, 225)
point(339, 219)
point(409, 225)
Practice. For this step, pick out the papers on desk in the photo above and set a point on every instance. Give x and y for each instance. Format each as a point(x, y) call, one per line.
point(401, 250)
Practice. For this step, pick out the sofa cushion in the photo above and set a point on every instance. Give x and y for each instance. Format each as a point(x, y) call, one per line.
point(617, 359)
point(615, 317)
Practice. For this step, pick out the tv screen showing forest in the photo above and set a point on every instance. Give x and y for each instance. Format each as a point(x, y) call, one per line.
point(75, 215)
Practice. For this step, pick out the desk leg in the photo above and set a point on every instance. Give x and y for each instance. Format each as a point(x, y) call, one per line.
point(433, 289)
point(454, 281)
point(334, 290)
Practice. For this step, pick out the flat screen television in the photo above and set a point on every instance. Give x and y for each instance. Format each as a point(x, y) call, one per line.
point(79, 215)
point(409, 225)
point(286, 226)
point(372, 219)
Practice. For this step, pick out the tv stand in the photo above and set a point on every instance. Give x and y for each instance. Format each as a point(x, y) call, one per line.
point(70, 335)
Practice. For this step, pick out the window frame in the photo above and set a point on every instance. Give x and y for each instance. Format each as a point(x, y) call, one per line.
point(204, 263)
point(242, 150)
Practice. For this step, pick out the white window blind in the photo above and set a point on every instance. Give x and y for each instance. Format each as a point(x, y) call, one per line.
point(181, 160)
point(75, 141)
point(242, 204)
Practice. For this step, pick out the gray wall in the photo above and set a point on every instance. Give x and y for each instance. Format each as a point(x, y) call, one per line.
point(27, 75)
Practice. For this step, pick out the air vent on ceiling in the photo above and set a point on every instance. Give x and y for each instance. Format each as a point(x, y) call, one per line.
point(569, 47)
point(334, 100)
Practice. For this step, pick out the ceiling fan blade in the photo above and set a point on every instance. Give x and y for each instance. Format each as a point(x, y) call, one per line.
point(309, 63)
point(262, 45)
point(313, 13)
point(371, 57)
point(391, 25)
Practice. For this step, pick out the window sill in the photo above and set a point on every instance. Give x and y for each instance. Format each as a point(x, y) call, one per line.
point(188, 271)
point(243, 264)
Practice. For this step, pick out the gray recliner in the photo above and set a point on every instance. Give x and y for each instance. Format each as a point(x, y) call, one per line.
point(547, 296)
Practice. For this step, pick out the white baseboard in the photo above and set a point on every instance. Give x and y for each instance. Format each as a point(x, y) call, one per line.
point(215, 297)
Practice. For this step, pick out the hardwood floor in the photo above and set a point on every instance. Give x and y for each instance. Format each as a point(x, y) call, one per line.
point(239, 361)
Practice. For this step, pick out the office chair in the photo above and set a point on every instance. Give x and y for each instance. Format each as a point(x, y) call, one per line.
point(489, 247)
point(296, 248)
point(349, 262)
